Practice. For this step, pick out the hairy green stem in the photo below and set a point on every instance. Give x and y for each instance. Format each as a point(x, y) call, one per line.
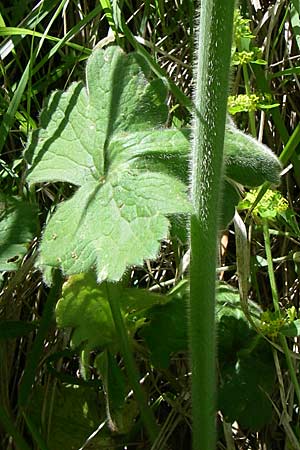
point(212, 75)
point(132, 371)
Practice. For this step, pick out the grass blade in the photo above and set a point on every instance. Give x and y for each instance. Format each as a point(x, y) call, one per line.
point(38, 345)
point(12, 431)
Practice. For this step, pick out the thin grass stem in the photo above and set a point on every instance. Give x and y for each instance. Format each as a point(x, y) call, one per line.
point(276, 305)
point(132, 371)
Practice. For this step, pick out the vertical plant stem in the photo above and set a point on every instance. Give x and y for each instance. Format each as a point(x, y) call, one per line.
point(248, 92)
point(270, 267)
point(275, 298)
point(132, 371)
point(212, 74)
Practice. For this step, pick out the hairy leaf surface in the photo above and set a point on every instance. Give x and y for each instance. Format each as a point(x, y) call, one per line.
point(101, 138)
point(247, 161)
point(107, 138)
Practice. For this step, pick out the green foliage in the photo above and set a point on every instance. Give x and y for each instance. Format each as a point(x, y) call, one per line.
point(291, 329)
point(243, 50)
point(162, 323)
point(272, 324)
point(247, 161)
point(241, 27)
point(247, 374)
point(121, 412)
point(46, 403)
point(249, 102)
point(11, 329)
point(18, 225)
point(84, 307)
point(76, 415)
point(244, 394)
point(105, 138)
point(98, 138)
point(166, 331)
point(295, 19)
point(271, 205)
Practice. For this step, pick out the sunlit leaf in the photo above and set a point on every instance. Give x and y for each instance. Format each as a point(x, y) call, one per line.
point(100, 138)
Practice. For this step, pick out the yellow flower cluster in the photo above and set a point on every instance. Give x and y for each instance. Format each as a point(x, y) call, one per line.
point(243, 57)
point(271, 324)
point(242, 102)
point(270, 205)
point(241, 26)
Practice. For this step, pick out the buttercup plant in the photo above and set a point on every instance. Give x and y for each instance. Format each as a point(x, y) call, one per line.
point(98, 355)
point(108, 139)
point(213, 56)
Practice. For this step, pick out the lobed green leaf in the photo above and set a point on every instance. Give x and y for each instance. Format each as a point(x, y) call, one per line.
point(108, 139)
point(100, 138)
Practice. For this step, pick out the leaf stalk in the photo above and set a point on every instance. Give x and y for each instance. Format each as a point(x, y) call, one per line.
point(132, 371)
